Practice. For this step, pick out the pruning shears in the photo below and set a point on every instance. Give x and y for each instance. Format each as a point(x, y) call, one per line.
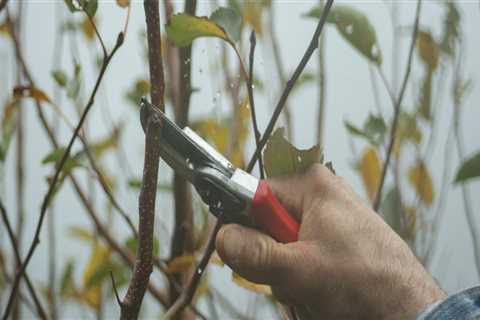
point(230, 193)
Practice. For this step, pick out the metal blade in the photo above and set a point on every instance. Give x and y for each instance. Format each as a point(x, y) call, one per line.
point(182, 150)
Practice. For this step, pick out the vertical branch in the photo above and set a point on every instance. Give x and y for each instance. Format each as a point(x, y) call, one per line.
point(290, 84)
point(182, 236)
point(321, 87)
point(11, 235)
point(397, 109)
point(56, 177)
point(130, 306)
point(20, 177)
point(256, 132)
point(152, 18)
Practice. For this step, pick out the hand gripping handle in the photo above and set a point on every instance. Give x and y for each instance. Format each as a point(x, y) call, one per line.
point(272, 216)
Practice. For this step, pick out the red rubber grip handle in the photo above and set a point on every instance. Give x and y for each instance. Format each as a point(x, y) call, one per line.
point(272, 216)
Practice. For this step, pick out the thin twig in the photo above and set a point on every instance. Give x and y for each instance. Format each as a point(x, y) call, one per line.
point(397, 109)
point(50, 192)
point(106, 188)
point(115, 291)
point(281, 73)
point(132, 301)
point(256, 132)
point(100, 39)
point(101, 229)
point(11, 235)
point(290, 84)
point(321, 88)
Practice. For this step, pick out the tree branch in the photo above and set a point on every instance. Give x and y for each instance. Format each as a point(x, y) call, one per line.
point(290, 83)
point(50, 192)
point(152, 19)
point(397, 109)
point(11, 235)
point(256, 132)
point(321, 88)
point(132, 301)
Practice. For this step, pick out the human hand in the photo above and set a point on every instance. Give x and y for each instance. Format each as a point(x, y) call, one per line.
point(347, 264)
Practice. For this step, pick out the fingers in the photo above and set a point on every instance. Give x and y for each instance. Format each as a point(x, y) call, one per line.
point(253, 254)
point(295, 191)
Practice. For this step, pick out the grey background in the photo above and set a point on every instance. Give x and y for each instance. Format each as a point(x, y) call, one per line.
point(349, 96)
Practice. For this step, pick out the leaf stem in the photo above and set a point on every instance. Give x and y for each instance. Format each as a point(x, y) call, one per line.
point(397, 109)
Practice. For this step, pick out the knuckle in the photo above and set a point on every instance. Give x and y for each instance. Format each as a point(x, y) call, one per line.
point(319, 176)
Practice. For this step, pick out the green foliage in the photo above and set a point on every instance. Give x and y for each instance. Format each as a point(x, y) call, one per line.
point(374, 129)
point(140, 88)
point(131, 243)
point(67, 284)
point(425, 103)
point(391, 209)
point(7, 129)
point(182, 29)
point(355, 27)
point(89, 6)
point(60, 77)
point(282, 158)
point(451, 29)
point(469, 169)
point(229, 20)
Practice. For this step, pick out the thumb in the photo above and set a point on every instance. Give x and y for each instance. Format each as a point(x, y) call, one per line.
point(254, 255)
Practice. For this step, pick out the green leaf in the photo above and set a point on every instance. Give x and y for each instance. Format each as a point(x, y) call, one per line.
point(72, 5)
point(451, 28)
point(391, 209)
point(54, 156)
point(73, 87)
point(282, 158)
point(374, 129)
point(355, 27)
point(90, 7)
point(230, 20)
point(67, 285)
point(60, 77)
point(140, 88)
point(81, 233)
point(469, 169)
point(182, 29)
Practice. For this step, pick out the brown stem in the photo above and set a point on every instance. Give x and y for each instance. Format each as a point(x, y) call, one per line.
point(50, 192)
point(397, 109)
point(130, 306)
point(101, 229)
point(321, 89)
point(106, 188)
point(256, 132)
point(290, 83)
point(11, 235)
point(152, 19)
point(182, 241)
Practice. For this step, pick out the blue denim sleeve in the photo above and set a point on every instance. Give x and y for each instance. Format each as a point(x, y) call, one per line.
point(463, 305)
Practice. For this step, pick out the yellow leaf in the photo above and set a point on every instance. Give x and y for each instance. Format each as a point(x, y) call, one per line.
point(87, 28)
point(123, 3)
point(5, 29)
point(244, 283)
point(421, 181)
point(92, 294)
point(411, 220)
point(180, 264)
point(252, 15)
point(30, 92)
point(215, 259)
point(182, 29)
point(370, 171)
point(428, 49)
